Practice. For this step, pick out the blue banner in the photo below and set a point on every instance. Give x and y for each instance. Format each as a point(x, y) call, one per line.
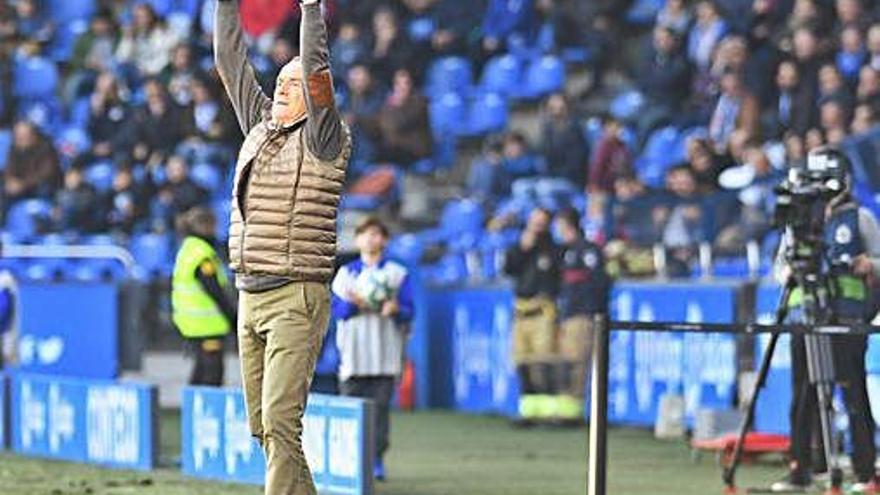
point(645, 365)
point(99, 422)
point(337, 440)
point(62, 336)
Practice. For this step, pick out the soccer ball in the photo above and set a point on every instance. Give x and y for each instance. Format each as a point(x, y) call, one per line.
point(374, 287)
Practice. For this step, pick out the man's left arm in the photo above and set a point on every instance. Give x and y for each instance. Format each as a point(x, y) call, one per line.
point(870, 233)
point(324, 133)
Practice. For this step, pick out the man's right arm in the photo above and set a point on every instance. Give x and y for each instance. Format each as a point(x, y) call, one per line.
point(236, 72)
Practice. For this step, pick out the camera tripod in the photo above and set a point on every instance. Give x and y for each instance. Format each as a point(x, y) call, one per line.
point(814, 289)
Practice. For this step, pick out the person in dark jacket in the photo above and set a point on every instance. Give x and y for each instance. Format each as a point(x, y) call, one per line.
point(32, 167)
point(404, 123)
point(563, 144)
point(201, 309)
point(583, 304)
point(793, 108)
point(664, 78)
point(77, 204)
point(534, 265)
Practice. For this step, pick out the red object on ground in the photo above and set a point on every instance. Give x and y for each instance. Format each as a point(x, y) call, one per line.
point(755, 444)
point(259, 16)
point(407, 389)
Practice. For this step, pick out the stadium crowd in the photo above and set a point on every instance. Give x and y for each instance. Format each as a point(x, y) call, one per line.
point(113, 119)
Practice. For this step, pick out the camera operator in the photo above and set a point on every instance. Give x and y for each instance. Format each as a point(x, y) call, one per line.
point(851, 244)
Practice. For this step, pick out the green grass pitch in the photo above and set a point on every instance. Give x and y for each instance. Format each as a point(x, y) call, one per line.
point(432, 453)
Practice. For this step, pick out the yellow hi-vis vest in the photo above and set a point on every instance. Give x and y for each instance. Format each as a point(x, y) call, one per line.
point(193, 310)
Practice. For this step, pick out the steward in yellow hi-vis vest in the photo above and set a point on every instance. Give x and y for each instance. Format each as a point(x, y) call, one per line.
point(201, 310)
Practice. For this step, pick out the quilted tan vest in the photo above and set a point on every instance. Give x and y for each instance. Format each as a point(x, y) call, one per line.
point(288, 228)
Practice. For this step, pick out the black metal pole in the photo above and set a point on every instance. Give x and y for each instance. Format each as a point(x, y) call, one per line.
point(598, 456)
point(729, 473)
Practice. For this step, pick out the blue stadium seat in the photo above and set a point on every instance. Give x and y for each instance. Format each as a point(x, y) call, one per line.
point(83, 272)
point(451, 269)
point(35, 78)
point(45, 112)
point(420, 28)
point(627, 105)
point(407, 248)
point(447, 114)
point(544, 76)
point(644, 12)
point(61, 48)
point(179, 23)
point(661, 152)
point(492, 247)
point(162, 7)
point(71, 141)
point(24, 216)
point(736, 267)
point(488, 113)
point(37, 271)
point(64, 11)
point(94, 269)
point(79, 113)
point(361, 202)
point(5, 145)
point(188, 7)
point(449, 75)
point(208, 176)
point(461, 217)
point(98, 240)
point(153, 253)
point(502, 74)
point(100, 175)
point(221, 213)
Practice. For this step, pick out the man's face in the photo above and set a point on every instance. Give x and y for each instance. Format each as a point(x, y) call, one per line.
point(371, 241)
point(539, 222)
point(359, 79)
point(176, 170)
point(23, 135)
point(787, 76)
point(566, 230)
point(288, 102)
point(869, 83)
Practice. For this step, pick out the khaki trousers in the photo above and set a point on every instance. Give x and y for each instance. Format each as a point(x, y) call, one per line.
point(280, 332)
point(576, 344)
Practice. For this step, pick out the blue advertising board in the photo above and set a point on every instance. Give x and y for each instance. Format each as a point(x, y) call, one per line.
point(62, 336)
point(644, 365)
point(471, 338)
point(93, 421)
point(337, 440)
point(774, 400)
point(485, 379)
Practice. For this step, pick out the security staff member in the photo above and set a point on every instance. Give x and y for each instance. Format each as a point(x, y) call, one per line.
point(201, 310)
point(534, 265)
point(852, 240)
point(282, 235)
point(583, 304)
